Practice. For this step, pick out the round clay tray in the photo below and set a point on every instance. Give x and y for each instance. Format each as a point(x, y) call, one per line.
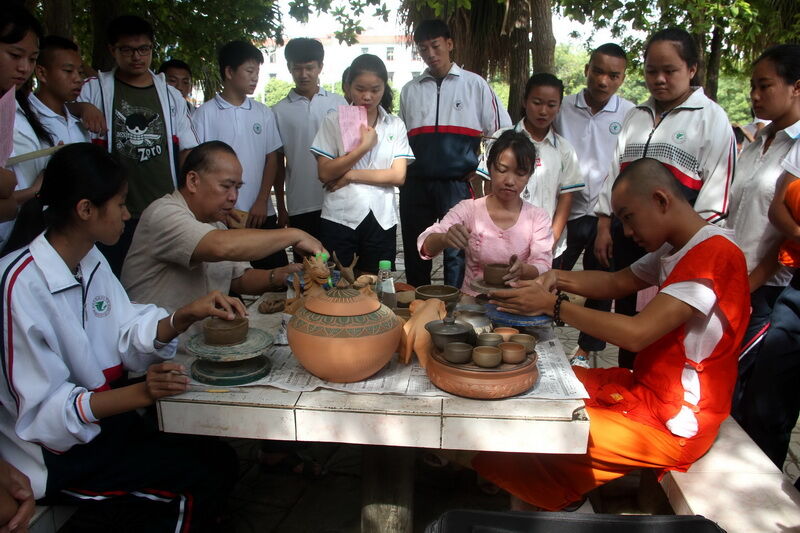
point(471, 381)
point(255, 344)
point(231, 373)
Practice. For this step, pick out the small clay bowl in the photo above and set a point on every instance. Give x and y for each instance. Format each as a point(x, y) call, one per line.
point(458, 352)
point(219, 332)
point(528, 341)
point(493, 274)
point(506, 333)
point(405, 297)
point(487, 356)
point(445, 293)
point(513, 352)
point(489, 339)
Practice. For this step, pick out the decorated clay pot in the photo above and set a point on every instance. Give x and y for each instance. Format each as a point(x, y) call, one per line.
point(343, 336)
point(471, 381)
point(219, 332)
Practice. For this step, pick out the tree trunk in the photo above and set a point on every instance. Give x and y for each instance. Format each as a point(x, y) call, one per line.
point(544, 43)
point(103, 12)
point(58, 18)
point(700, 43)
point(519, 18)
point(714, 59)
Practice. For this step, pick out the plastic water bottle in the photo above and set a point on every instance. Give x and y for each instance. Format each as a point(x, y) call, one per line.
point(386, 292)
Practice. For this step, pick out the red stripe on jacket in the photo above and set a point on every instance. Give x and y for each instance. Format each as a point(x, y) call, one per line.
point(458, 130)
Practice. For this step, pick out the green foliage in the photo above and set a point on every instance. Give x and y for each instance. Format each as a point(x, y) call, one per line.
point(274, 91)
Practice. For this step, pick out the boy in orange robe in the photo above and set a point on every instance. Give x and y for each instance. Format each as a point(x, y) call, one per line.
point(665, 413)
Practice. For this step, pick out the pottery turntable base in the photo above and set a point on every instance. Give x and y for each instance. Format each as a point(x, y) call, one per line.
point(500, 318)
point(237, 364)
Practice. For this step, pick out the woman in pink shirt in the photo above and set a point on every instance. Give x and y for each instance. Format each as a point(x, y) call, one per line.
point(500, 227)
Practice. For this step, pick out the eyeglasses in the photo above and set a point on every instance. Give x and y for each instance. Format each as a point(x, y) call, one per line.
point(127, 51)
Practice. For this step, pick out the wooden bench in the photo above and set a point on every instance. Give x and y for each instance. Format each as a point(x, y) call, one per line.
point(736, 486)
point(49, 519)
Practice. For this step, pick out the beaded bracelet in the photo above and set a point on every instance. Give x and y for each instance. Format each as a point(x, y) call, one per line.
point(560, 297)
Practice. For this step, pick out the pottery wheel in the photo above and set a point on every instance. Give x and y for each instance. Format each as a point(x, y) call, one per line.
point(479, 285)
point(500, 318)
point(230, 373)
point(255, 344)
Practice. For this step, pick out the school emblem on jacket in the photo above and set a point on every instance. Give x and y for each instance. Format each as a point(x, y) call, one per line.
point(615, 127)
point(257, 128)
point(459, 105)
point(101, 306)
point(679, 137)
point(138, 132)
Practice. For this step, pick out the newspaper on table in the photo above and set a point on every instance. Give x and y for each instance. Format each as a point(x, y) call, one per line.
point(556, 379)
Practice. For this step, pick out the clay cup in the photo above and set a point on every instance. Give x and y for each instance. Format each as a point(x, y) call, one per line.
point(513, 352)
point(458, 352)
point(528, 341)
point(487, 356)
point(493, 273)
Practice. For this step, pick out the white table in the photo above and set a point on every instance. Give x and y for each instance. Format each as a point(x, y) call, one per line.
point(400, 421)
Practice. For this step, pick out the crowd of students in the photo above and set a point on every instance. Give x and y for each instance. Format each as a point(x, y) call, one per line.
point(148, 186)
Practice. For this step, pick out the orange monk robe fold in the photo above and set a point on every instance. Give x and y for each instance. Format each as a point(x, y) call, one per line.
point(628, 411)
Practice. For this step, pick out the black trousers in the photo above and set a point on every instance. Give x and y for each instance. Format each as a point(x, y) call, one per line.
point(626, 252)
point(276, 260)
point(770, 401)
point(423, 202)
point(308, 222)
point(133, 478)
point(581, 233)
point(369, 241)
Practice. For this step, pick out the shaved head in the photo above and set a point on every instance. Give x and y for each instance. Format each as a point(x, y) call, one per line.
point(646, 175)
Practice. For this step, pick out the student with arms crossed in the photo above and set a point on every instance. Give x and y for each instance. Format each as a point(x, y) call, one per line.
point(249, 128)
point(358, 213)
point(591, 121)
point(148, 126)
point(69, 420)
point(665, 414)
point(299, 116)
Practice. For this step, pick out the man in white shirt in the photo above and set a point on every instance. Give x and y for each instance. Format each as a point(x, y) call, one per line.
point(591, 120)
point(299, 116)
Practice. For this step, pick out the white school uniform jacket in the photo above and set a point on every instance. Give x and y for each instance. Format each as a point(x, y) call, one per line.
point(445, 122)
point(99, 91)
point(351, 204)
point(694, 140)
point(62, 339)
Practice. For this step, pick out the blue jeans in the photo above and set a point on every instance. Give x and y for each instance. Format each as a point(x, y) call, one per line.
point(423, 202)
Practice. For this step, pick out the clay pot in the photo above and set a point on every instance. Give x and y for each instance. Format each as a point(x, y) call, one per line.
point(458, 352)
point(493, 274)
point(343, 336)
point(489, 339)
point(487, 356)
point(528, 341)
point(219, 332)
point(445, 293)
point(480, 383)
point(449, 330)
point(506, 333)
point(513, 352)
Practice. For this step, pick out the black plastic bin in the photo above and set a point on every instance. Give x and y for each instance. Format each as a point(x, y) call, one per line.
point(466, 521)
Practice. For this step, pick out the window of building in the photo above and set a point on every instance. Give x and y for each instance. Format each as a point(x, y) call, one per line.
point(390, 53)
point(272, 75)
point(414, 54)
point(364, 50)
point(273, 57)
point(391, 77)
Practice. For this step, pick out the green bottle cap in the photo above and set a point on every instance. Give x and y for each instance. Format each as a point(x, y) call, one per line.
point(384, 265)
